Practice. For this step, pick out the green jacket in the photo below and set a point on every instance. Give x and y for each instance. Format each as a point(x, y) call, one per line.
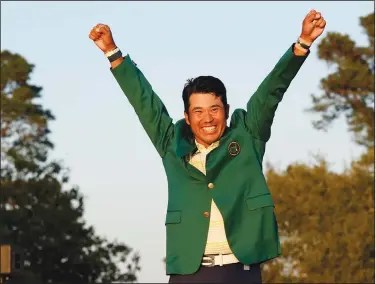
point(240, 190)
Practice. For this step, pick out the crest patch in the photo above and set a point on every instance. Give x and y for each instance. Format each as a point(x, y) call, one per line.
point(233, 148)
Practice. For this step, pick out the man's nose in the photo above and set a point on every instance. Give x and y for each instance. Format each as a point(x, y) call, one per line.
point(208, 117)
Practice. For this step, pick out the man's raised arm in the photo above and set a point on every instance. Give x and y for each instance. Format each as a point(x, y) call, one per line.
point(264, 102)
point(147, 105)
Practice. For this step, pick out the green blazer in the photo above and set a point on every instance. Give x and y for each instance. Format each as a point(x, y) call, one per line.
point(235, 168)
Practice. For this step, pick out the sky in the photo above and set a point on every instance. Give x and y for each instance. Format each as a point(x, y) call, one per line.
point(97, 134)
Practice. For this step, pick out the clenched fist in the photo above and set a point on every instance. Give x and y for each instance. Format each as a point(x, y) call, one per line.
point(313, 27)
point(102, 37)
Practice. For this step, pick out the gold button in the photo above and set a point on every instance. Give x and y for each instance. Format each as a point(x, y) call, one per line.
point(211, 185)
point(206, 214)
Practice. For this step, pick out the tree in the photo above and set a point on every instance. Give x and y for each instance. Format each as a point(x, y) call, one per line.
point(24, 124)
point(350, 90)
point(38, 213)
point(327, 223)
point(327, 219)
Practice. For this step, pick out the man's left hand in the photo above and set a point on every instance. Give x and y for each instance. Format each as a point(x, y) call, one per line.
point(313, 26)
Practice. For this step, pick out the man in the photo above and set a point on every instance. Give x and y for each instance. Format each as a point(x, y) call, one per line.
point(220, 221)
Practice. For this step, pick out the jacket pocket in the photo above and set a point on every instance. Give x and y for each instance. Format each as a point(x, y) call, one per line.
point(173, 217)
point(259, 201)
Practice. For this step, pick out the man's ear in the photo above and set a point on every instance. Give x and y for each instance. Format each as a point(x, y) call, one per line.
point(227, 110)
point(186, 118)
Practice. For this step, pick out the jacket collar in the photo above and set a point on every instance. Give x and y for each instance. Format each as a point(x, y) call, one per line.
point(185, 143)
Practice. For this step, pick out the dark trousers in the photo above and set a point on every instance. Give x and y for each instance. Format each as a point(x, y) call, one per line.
point(229, 273)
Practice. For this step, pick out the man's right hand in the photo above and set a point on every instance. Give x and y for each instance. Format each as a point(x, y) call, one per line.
point(102, 37)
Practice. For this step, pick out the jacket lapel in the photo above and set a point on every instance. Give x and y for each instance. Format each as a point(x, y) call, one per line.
point(218, 157)
point(184, 147)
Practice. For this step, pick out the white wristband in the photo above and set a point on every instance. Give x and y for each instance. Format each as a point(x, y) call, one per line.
point(112, 52)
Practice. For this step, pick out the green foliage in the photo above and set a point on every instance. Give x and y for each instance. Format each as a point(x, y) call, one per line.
point(350, 89)
point(38, 213)
point(24, 123)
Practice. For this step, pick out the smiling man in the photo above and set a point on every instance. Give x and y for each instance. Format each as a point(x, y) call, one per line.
point(205, 109)
point(220, 220)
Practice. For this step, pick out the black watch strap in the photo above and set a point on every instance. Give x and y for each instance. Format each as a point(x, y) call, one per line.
point(115, 56)
point(303, 44)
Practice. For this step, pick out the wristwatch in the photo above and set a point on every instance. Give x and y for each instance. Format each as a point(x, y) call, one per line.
point(302, 44)
point(114, 54)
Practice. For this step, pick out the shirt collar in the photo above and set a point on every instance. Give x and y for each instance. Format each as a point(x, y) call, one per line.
point(202, 148)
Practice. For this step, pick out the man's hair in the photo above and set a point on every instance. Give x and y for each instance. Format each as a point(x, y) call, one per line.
point(204, 85)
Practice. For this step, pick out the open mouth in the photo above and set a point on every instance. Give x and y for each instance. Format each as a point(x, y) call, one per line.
point(209, 129)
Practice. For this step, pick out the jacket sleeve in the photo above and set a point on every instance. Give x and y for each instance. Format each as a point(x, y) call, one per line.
point(264, 102)
point(149, 108)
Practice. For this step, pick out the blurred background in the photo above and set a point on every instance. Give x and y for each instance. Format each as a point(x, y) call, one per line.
point(84, 193)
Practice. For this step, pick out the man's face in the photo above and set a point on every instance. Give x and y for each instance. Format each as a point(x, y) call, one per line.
point(207, 117)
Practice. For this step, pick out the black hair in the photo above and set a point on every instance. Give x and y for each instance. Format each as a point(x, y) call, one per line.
point(204, 85)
